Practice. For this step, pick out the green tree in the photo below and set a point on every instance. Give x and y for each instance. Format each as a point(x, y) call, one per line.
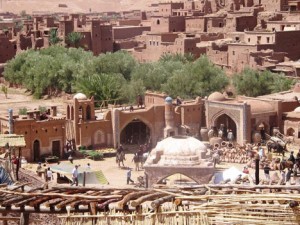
point(184, 58)
point(102, 86)
point(74, 39)
point(53, 37)
point(253, 83)
point(199, 78)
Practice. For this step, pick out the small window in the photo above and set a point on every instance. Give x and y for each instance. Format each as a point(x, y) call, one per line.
point(233, 52)
point(249, 39)
point(268, 40)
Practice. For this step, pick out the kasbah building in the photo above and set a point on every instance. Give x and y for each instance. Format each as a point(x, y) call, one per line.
point(82, 125)
point(233, 34)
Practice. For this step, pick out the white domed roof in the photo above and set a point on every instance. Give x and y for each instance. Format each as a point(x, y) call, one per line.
point(177, 151)
point(181, 146)
point(80, 96)
point(297, 110)
point(216, 96)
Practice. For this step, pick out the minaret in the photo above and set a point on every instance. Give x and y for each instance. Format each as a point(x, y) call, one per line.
point(170, 129)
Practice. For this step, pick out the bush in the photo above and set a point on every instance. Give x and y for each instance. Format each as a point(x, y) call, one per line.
point(94, 155)
point(23, 111)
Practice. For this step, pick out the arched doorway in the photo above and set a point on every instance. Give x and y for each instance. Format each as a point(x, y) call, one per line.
point(36, 150)
point(135, 133)
point(177, 179)
point(226, 123)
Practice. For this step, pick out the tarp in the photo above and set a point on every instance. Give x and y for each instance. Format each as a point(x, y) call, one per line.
point(92, 176)
point(231, 174)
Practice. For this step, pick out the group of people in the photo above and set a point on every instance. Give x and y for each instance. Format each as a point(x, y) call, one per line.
point(288, 168)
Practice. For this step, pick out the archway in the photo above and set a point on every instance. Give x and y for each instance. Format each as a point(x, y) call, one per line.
point(88, 113)
point(36, 150)
point(177, 179)
point(226, 123)
point(135, 133)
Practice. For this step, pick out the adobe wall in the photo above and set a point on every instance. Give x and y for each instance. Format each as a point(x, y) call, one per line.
point(128, 32)
point(129, 22)
point(292, 46)
point(7, 49)
point(218, 57)
point(44, 131)
point(197, 24)
point(168, 24)
point(245, 23)
point(96, 133)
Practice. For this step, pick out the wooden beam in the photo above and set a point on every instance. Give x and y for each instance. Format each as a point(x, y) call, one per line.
point(24, 220)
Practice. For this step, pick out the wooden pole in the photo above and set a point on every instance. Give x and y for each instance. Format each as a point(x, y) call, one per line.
point(257, 170)
point(84, 177)
point(24, 220)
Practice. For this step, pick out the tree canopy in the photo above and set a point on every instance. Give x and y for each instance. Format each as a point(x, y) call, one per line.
point(253, 83)
point(118, 75)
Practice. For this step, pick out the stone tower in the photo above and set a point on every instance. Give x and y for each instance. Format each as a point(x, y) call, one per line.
point(170, 129)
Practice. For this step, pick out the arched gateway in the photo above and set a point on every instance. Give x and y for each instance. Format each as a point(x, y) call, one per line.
point(135, 132)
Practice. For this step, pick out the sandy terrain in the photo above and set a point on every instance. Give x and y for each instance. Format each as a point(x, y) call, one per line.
point(30, 6)
point(17, 99)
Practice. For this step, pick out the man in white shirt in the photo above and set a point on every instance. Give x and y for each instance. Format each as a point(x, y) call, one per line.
point(49, 174)
point(75, 176)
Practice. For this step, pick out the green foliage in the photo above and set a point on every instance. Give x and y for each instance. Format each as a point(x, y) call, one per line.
point(188, 57)
point(42, 109)
point(199, 78)
point(4, 89)
point(95, 155)
point(23, 111)
point(74, 38)
point(254, 83)
point(47, 71)
point(53, 37)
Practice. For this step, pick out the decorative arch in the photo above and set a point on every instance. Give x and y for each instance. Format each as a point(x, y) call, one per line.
point(130, 134)
point(99, 137)
point(88, 113)
point(229, 121)
point(184, 174)
point(36, 146)
point(68, 112)
point(72, 113)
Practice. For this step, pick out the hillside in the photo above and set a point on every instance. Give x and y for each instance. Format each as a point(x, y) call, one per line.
point(30, 6)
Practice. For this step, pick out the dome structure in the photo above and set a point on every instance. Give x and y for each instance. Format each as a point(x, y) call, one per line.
point(178, 151)
point(297, 110)
point(80, 96)
point(168, 100)
point(216, 96)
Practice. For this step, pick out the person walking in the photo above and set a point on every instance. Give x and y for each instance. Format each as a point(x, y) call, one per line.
point(129, 176)
point(267, 172)
point(75, 176)
point(49, 174)
point(136, 161)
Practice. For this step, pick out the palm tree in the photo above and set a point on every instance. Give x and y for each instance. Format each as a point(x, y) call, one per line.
point(53, 38)
point(74, 38)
